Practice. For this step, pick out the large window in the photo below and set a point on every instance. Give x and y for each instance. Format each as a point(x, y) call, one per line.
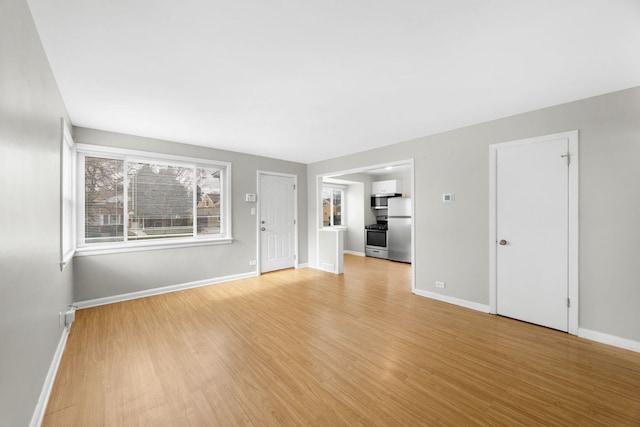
point(135, 199)
point(332, 206)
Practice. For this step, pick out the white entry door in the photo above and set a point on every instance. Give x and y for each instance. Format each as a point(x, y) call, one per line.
point(277, 222)
point(532, 231)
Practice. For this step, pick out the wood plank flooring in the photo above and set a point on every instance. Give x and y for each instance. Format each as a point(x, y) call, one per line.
point(304, 347)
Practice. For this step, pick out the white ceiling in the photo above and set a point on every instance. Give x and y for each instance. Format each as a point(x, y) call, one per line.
point(309, 80)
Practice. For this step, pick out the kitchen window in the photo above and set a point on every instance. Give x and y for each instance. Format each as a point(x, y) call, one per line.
point(333, 198)
point(133, 200)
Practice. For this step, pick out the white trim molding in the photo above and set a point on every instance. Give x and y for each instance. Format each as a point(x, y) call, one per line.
point(573, 237)
point(613, 340)
point(43, 400)
point(163, 290)
point(452, 300)
point(151, 245)
point(356, 253)
point(315, 267)
point(68, 195)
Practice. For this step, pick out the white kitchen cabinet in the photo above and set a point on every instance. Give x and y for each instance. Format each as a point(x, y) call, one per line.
point(386, 187)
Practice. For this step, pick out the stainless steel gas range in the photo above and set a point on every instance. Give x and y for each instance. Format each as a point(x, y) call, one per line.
point(376, 240)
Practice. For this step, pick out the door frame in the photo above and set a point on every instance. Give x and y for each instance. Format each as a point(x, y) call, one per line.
point(318, 206)
point(259, 174)
point(573, 229)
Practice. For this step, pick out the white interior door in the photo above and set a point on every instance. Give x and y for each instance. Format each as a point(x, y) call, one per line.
point(532, 228)
point(277, 222)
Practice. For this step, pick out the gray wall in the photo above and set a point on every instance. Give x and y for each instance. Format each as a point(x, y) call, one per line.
point(354, 235)
point(452, 239)
point(100, 276)
point(32, 289)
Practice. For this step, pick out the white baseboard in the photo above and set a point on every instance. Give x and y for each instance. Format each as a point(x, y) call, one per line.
point(41, 406)
point(354, 253)
point(163, 290)
point(609, 339)
point(600, 337)
point(451, 300)
point(303, 265)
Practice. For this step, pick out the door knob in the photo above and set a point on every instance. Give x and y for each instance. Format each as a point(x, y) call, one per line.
point(502, 242)
point(263, 229)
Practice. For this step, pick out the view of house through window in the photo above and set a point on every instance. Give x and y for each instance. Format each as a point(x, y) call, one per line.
point(132, 200)
point(208, 201)
point(103, 200)
point(332, 199)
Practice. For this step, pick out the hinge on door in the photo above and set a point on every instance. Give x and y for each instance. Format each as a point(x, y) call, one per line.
point(568, 156)
point(294, 222)
point(294, 257)
point(294, 187)
point(568, 302)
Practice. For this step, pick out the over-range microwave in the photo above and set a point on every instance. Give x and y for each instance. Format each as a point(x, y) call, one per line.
point(380, 201)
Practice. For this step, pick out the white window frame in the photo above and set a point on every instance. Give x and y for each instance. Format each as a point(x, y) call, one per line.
point(89, 150)
point(68, 195)
point(342, 188)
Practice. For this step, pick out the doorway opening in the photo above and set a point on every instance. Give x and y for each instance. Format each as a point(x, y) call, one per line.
point(357, 184)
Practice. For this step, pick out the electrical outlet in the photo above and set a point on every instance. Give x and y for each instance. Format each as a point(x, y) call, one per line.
point(252, 262)
point(440, 284)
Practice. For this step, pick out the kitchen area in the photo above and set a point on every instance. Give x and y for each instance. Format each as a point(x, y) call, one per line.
point(373, 211)
point(390, 236)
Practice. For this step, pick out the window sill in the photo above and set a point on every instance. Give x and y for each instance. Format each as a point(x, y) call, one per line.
point(335, 228)
point(148, 246)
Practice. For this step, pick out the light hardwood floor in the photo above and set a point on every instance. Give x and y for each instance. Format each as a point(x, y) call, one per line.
point(311, 348)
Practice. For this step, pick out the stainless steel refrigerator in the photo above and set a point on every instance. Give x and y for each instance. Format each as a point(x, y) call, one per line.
point(399, 234)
